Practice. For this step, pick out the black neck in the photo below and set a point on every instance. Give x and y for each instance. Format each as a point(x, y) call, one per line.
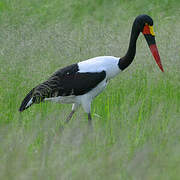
point(125, 61)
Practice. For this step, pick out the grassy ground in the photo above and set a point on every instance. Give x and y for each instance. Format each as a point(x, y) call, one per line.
point(136, 120)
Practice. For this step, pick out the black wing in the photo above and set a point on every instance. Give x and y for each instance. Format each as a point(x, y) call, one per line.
point(64, 82)
point(80, 83)
point(68, 81)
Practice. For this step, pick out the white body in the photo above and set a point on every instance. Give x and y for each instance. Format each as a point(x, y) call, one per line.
point(109, 64)
point(101, 63)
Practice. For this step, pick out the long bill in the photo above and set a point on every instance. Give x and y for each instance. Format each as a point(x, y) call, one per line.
point(150, 38)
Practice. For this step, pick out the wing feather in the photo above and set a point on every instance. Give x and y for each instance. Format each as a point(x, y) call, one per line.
point(68, 81)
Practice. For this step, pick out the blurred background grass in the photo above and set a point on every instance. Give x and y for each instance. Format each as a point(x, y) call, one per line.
point(136, 120)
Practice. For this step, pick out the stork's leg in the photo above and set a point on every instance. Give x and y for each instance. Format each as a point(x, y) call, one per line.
point(74, 108)
point(70, 116)
point(86, 104)
point(89, 119)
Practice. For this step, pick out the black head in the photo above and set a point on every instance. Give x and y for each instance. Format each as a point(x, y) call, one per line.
point(143, 20)
point(144, 23)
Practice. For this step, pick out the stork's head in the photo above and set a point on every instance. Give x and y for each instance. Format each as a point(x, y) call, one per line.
point(145, 25)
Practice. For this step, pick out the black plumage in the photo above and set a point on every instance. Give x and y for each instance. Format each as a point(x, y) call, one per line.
point(64, 82)
point(26, 100)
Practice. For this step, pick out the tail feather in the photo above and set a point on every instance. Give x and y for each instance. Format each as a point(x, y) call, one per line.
point(37, 94)
point(27, 102)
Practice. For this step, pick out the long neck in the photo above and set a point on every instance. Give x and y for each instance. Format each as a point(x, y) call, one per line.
point(125, 61)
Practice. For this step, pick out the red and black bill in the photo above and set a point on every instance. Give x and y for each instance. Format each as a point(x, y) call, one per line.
point(150, 38)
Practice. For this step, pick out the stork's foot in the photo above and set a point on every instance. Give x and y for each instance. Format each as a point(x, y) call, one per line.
point(61, 128)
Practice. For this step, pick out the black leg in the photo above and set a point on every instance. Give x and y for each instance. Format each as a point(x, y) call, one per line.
point(89, 119)
point(67, 120)
point(70, 116)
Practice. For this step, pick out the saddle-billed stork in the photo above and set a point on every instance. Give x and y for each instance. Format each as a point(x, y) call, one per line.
point(80, 83)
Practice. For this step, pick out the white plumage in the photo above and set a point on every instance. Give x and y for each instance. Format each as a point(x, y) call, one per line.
point(109, 64)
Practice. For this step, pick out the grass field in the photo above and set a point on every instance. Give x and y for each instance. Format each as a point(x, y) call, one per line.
point(136, 119)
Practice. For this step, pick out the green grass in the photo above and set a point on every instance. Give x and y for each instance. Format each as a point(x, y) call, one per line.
point(136, 119)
